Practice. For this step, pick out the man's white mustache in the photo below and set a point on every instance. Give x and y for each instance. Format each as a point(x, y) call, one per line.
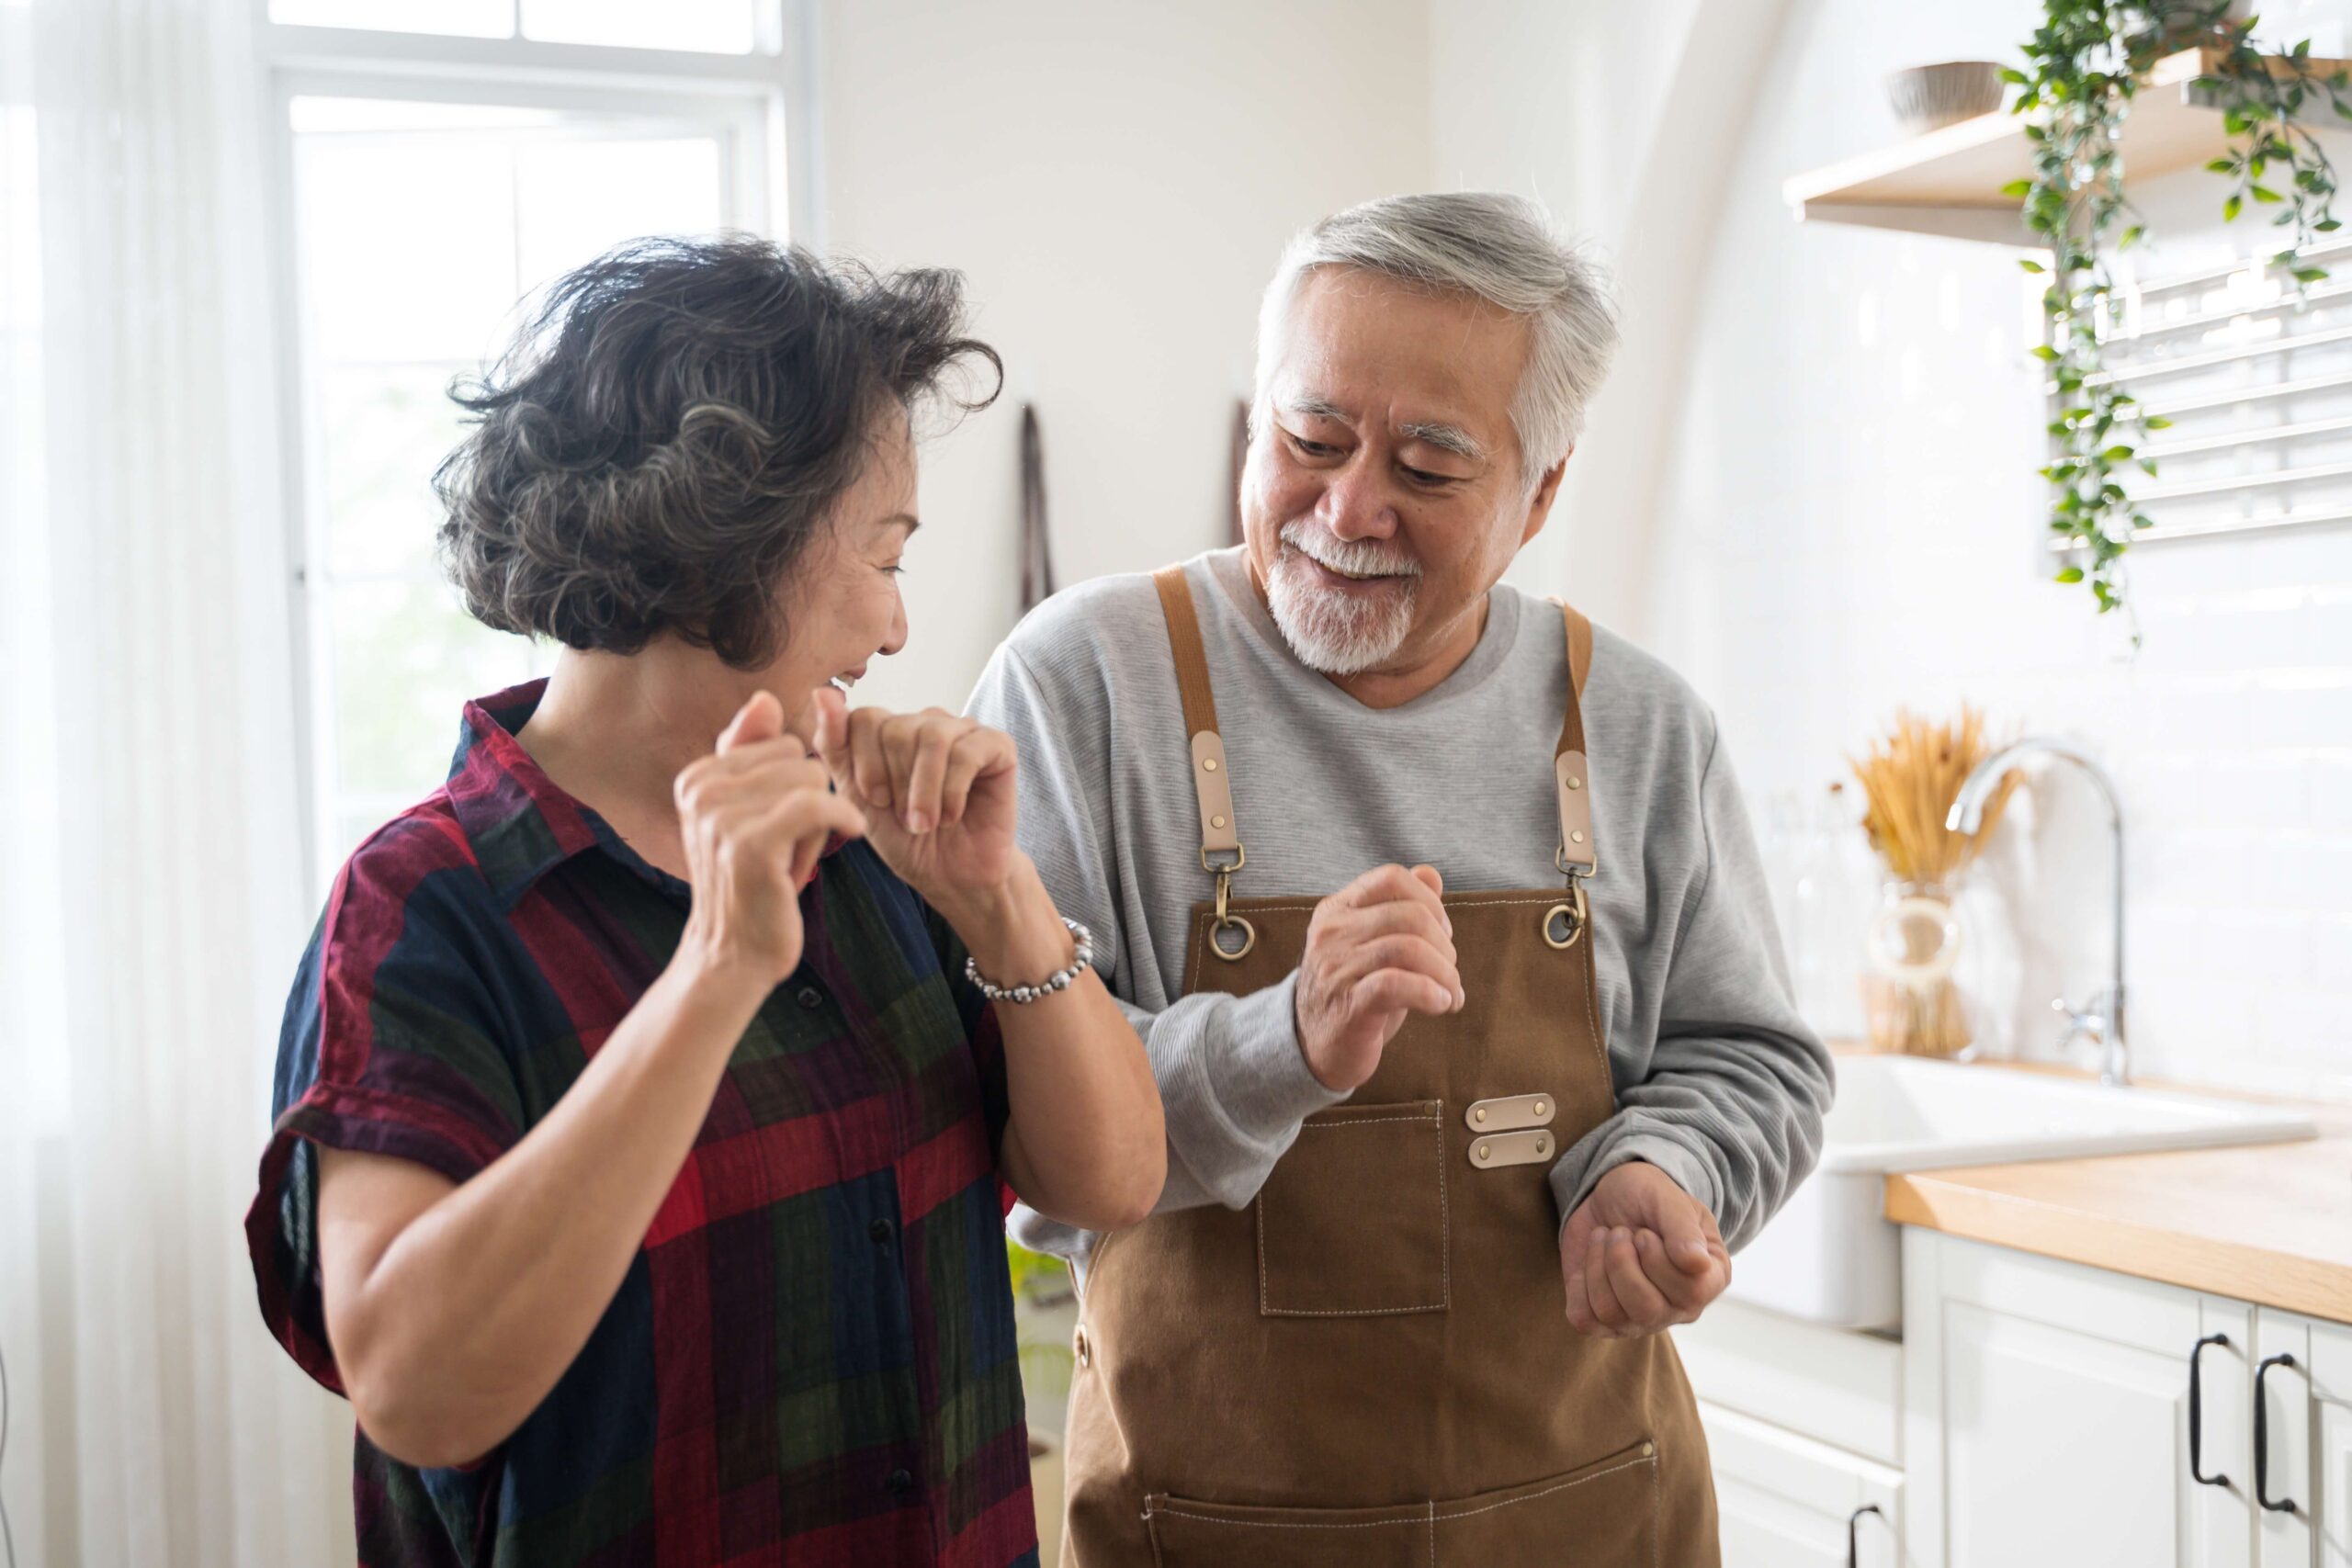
point(1359, 558)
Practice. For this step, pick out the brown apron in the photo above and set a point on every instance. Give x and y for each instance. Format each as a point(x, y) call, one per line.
point(1372, 1364)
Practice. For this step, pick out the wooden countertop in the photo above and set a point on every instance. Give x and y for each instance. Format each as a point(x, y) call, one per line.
point(2265, 1222)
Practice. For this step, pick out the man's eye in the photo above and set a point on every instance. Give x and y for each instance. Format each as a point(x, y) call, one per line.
point(1312, 448)
point(1422, 476)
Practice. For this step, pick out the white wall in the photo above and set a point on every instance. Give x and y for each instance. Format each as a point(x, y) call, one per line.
point(1810, 483)
point(1847, 519)
point(1116, 181)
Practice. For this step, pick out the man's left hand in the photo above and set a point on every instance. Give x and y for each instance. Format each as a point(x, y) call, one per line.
point(1639, 1254)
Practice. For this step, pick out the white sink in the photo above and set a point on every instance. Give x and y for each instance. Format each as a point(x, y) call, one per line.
point(1831, 1254)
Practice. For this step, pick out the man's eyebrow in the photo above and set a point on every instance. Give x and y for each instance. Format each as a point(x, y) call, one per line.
point(1445, 438)
point(1314, 407)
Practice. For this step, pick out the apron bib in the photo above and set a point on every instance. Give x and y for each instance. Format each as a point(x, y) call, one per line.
point(1372, 1364)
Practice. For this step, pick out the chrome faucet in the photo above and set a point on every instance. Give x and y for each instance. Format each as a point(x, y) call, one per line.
point(2102, 1021)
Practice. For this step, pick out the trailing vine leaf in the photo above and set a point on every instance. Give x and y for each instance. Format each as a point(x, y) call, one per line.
point(2083, 66)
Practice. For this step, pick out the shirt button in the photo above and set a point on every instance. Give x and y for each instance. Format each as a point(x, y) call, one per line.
point(879, 1230)
point(902, 1481)
point(810, 998)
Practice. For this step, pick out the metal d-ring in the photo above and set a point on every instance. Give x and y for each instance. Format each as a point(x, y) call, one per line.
point(1573, 912)
point(1225, 921)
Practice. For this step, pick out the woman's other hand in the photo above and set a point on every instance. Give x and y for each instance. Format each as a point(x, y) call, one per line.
point(935, 789)
point(754, 816)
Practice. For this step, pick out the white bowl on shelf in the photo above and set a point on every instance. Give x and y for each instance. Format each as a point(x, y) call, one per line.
point(1928, 97)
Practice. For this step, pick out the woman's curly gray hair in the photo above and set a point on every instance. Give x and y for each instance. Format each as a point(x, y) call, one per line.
point(658, 448)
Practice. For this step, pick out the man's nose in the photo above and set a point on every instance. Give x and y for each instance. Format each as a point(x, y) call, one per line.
point(1356, 504)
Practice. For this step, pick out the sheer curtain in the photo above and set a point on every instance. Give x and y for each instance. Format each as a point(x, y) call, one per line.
point(152, 899)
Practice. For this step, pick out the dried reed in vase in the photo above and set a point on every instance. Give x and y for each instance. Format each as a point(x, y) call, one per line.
point(1909, 780)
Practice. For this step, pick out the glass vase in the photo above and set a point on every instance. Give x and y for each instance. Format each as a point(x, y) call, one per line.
point(1911, 1002)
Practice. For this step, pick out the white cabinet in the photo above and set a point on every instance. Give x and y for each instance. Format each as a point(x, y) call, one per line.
point(2304, 1369)
point(2331, 1444)
point(1790, 1502)
point(2046, 1414)
point(1804, 1430)
point(2034, 1412)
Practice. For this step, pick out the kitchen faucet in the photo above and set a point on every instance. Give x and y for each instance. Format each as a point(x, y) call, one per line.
point(2102, 1021)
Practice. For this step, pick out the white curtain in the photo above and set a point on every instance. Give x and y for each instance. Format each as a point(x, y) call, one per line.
point(152, 896)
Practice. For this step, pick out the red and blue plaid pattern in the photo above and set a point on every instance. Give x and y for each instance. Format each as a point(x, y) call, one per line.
point(812, 1359)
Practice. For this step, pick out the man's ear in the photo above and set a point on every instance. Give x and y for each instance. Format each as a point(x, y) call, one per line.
point(1547, 490)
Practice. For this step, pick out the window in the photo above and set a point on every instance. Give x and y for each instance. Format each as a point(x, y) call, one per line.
point(719, 27)
point(426, 206)
point(2257, 380)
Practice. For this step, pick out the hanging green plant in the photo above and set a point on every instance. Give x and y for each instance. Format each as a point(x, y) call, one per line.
point(2083, 66)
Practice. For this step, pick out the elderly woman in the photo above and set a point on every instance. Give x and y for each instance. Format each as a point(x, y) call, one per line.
point(645, 1093)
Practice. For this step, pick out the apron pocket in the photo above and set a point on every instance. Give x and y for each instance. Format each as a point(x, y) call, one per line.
point(1185, 1534)
point(1353, 1222)
point(1604, 1514)
point(1601, 1515)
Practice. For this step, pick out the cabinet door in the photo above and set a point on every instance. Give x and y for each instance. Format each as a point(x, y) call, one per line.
point(2331, 1464)
point(2307, 1448)
point(1788, 1500)
point(2047, 1409)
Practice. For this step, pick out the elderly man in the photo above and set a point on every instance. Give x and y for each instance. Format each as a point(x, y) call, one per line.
point(1439, 914)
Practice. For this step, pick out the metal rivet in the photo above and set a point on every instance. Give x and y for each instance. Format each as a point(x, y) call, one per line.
point(1575, 783)
point(1216, 821)
point(1483, 1151)
point(1576, 837)
point(1543, 1145)
point(1209, 763)
point(1539, 1108)
point(1481, 1115)
point(1648, 1448)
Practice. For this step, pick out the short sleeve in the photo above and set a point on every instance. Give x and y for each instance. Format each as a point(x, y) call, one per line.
point(390, 1045)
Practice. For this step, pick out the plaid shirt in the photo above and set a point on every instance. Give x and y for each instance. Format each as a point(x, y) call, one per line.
point(812, 1360)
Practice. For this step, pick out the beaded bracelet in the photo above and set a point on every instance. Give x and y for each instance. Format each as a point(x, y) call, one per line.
point(1058, 981)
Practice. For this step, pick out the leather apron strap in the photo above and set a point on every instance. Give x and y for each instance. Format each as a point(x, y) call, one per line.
point(1212, 785)
point(1571, 775)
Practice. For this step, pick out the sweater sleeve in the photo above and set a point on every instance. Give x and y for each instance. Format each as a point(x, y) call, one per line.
point(1233, 1084)
point(1732, 1105)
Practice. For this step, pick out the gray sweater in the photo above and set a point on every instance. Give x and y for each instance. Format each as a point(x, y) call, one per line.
point(1719, 1082)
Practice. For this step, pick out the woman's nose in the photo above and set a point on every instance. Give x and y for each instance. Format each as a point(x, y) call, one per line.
point(898, 638)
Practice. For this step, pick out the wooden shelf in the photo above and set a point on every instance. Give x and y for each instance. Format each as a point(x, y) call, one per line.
point(1949, 182)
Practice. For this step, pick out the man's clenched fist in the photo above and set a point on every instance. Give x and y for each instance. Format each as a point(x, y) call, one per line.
point(1639, 1254)
point(1379, 948)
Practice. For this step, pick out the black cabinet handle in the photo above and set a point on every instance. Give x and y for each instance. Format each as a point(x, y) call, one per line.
point(1853, 1524)
point(2197, 1417)
point(2262, 1438)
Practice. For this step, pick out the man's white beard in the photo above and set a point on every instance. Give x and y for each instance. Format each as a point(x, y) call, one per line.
point(1332, 631)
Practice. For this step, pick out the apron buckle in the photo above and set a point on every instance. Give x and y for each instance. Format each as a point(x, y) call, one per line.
point(1225, 922)
point(1563, 922)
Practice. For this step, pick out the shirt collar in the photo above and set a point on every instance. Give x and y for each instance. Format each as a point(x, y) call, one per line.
point(521, 823)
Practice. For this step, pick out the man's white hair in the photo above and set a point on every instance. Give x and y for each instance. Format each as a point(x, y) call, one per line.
point(1498, 248)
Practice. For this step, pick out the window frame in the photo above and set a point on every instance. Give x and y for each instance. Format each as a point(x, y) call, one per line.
point(761, 105)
